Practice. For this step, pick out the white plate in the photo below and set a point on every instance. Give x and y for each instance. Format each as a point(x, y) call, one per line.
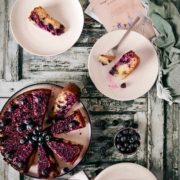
point(126, 171)
point(38, 41)
point(139, 82)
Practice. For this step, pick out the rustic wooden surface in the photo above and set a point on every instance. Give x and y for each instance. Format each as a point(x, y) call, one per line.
point(158, 122)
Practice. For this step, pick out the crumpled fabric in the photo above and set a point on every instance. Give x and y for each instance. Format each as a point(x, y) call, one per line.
point(166, 20)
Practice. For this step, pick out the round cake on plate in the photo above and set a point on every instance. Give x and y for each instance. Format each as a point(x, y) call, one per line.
point(39, 127)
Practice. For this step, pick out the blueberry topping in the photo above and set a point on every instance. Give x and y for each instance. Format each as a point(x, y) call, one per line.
point(14, 107)
point(34, 138)
point(29, 127)
point(50, 26)
point(40, 139)
point(73, 124)
point(38, 128)
point(22, 141)
point(20, 164)
point(66, 169)
point(44, 173)
point(44, 134)
point(123, 139)
point(48, 138)
point(21, 128)
point(27, 121)
point(123, 85)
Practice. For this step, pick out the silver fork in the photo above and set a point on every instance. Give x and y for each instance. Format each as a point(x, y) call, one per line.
point(114, 49)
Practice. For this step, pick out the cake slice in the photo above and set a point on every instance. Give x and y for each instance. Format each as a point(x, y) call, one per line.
point(23, 158)
point(65, 150)
point(126, 65)
point(70, 123)
point(43, 20)
point(40, 103)
point(47, 165)
point(105, 59)
point(65, 100)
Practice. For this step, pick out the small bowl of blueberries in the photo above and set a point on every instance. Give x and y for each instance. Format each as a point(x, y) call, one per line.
point(127, 141)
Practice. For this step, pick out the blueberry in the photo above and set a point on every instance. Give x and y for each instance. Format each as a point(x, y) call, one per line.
point(44, 173)
point(50, 26)
point(2, 124)
point(20, 164)
point(115, 122)
point(14, 107)
point(123, 139)
point(73, 124)
point(27, 121)
point(29, 126)
point(35, 132)
point(125, 131)
point(123, 85)
point(135, 125)
point(44, 133)
point(136, 137)
point(118, 146)
point(22, 141)
point(34, 138)
point(119, 135)
point(122, 149)
point(21, 128)
point(38, 128)
point(132, 140)
point(40, 139)
point(126, 144)
point(66, 169)
point(48, 138)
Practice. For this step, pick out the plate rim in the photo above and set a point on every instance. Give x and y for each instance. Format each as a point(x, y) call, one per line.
point(41, 54)
point(90, 73)
point(88, 115)
point(124, 164)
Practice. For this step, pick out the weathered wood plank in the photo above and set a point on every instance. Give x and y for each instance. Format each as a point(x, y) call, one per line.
point(74, 60)
point(155, 134)
point(2, 41)
point(11, 49)
point(172, 142)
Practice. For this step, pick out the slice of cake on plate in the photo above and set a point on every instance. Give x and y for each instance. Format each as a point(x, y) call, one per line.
point(65, 150)
point(69, 95)
point(126, 65)
point(47, 165)
point(73, 122)
point(43, 20)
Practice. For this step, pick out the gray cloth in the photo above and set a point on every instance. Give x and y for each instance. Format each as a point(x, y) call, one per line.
point(166, 20)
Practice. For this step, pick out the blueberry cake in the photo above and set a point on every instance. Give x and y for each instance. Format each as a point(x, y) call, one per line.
point(106, 59)
point(70, 123)
point(65, 100)
point(47, 165)
point(24, 138)
point(42, 19)
point(127, 141)
point(65, 150)
point(126, 65)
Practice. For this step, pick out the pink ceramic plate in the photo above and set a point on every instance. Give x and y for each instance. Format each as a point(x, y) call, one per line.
point(137, 83)
point(126, 171)
point(38, 41)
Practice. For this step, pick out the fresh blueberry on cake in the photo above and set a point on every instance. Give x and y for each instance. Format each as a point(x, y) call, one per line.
point(65, 100)
point(47, 165)
point(70, 123)
point(105, 59)
point(65, 150)
point(42, 19)
point(126, 65)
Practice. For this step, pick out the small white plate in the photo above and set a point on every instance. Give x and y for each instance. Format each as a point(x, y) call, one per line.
point(126, 171)
point(137, 83)
point(38, 41)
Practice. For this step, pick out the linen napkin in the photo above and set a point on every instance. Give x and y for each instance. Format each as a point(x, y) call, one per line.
point(166, 19)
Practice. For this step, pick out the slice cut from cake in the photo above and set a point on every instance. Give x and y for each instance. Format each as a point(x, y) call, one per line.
point(126, 65)
point(70, 123)
point(40, 103)
point(105, 59)
point(23, 158)
point(65, 150)
point(43, 20)
point(47, 165)
point(65, 100)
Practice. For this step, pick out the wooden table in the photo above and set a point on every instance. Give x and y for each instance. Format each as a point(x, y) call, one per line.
point(158, 123)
